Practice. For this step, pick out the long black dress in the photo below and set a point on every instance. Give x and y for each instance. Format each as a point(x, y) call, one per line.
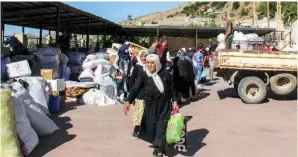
point(158, 108)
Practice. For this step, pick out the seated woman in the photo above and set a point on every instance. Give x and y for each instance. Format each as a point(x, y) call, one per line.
point(160, 100)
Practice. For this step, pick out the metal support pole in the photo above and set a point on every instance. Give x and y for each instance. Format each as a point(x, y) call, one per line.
point(105, 34)
point(57, 23)
point(274, 36)
point(268, 15)
point(2, 24)
point(157, 31)
point(196, 39)
point(23, 29)
point(40, 35)
point(88, 33)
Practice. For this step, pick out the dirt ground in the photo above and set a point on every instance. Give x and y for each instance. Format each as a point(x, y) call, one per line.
point(222, 126)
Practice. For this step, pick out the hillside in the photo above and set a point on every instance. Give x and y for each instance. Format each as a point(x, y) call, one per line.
point(195, 10)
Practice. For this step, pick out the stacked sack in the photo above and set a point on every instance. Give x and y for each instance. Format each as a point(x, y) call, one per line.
point(245, 41)
point(48, 58)
point(75, 61)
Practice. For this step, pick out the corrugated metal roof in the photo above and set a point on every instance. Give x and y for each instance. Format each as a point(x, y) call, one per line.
point(43, 14)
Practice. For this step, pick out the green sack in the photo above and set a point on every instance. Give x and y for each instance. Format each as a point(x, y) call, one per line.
point(175, 129)
point(9, 141)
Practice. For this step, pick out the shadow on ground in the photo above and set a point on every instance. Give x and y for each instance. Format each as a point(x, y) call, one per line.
point(58, 138)
point(195, 142)
point(202, 94)
point(231, 93)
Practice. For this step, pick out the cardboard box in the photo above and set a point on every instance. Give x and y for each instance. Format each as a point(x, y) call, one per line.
point(49, 74)
point(18, 69)
point(57, 84)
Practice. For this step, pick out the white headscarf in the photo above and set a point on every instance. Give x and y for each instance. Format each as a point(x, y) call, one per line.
point(143, 52)
point(157, 80)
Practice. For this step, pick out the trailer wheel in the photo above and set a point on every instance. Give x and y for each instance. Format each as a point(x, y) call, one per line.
point(252, 90)
point(283, 84)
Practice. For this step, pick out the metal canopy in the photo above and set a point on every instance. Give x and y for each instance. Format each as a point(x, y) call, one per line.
point(202, 32)
point(44, 15)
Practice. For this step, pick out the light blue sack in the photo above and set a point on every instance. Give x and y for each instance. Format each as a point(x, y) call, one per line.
point(204, 74)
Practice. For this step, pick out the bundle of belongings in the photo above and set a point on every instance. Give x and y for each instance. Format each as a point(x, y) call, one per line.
point(96, 87)
point(23, 117)
point(246, 41)
point(76, 61)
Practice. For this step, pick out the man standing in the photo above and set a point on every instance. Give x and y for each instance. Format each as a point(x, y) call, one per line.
point(229, 31)
point(162, 51)
point(124, 61)
point(152, 49)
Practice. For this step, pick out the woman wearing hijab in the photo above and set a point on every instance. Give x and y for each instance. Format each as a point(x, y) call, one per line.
point(138, 106)
point(160, 100)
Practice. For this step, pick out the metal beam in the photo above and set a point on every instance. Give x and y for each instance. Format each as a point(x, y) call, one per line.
point(23, 29)
point(7, 15)
point(57, 23)
point(157, 31)
point(88, 33)
point(27, 9)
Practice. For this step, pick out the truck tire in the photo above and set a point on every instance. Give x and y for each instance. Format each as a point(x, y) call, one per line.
point(283, 84)
point(252, 90)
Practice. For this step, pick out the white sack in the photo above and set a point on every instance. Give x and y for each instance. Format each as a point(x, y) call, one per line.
point(221, 46)
point(87, 73)
point(41, 123)
point(23, 127)
point(48, 51)
point(39, 90)
point(70, 84)
point(220, 37)
point(97, 97)
point(87, 64)
point(97, 56)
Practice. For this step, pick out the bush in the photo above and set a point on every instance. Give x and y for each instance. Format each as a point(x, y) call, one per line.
point(218, 5)
point(263, 9)
point(244, 12)
point(236, 5)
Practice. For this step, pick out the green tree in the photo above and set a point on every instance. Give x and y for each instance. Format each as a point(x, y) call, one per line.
point(129, 17)
point(289, 11)
point(263, 9)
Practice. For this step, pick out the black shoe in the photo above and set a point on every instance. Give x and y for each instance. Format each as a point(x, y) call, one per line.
point(157, 153)
point(135, 135)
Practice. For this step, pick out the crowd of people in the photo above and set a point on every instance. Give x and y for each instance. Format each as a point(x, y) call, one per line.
point(155, 81)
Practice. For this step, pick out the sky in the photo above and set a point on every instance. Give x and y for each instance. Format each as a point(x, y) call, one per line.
point(113, 11)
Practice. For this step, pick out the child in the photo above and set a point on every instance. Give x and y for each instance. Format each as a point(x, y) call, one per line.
point(198, 62)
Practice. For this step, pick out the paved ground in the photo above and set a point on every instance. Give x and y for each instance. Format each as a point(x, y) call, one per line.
point(229, 128)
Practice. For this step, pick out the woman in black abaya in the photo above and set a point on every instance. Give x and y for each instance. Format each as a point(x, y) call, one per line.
point(160, 100)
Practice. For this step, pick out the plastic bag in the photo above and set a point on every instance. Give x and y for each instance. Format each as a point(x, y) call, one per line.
point(9, 141)
point(204, 74)
point(87, 73)
point(175, 128)
point(23, 127)
point(97, 97)
point(39, 91)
